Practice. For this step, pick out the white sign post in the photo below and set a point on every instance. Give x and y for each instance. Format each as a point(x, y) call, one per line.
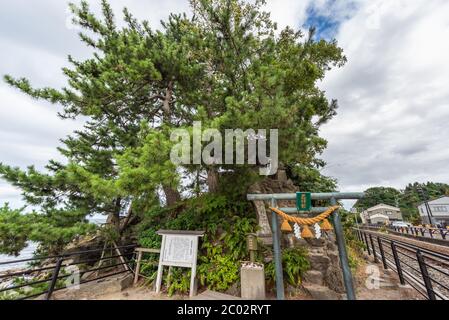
point(179, 249)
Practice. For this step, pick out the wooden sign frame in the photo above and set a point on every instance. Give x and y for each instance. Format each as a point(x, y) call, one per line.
point(179, 249)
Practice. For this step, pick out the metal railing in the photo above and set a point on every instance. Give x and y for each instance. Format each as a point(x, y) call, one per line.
point(52, 272)
point(432, 233)
point(425, 270)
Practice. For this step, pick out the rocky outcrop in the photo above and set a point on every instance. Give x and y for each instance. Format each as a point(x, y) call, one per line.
point(264, 230)
point(278, 184)
point(314, 277)
point(324, 280)
point(318, 292)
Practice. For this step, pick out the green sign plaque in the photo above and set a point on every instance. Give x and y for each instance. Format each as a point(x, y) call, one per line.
point(303, 201)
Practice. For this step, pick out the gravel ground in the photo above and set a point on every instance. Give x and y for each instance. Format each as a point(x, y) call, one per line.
point(443, 249)
point(436, 234)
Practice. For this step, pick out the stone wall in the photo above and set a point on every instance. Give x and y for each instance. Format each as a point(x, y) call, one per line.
point(324, 280)
point(278, 184)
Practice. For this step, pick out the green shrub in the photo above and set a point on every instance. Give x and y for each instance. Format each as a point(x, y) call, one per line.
point(295, 263)
point(226, 224)
point(179, 281)
point(219, 272)
point(353, 245)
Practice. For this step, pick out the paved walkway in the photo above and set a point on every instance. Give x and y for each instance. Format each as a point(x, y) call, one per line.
point(375, 283)
point(213, 295)
point(140, 293)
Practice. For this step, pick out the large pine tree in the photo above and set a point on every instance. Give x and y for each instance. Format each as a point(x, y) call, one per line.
point(226, 66)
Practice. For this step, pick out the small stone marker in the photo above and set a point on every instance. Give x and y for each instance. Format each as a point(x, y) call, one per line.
point(179, 249)
point(252, 277)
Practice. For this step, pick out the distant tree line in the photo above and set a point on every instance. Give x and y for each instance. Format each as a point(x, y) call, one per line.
point(407, 199)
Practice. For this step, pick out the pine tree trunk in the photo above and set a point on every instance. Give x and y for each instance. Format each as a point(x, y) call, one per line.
point(172, 196)
point(127, 220)
point(212, 180)
point(168, 99)
point(114, 216)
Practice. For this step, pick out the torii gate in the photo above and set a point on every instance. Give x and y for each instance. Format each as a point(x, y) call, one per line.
point(333, 197)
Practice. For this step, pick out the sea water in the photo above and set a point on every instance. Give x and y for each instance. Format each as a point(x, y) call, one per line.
point(28, 251)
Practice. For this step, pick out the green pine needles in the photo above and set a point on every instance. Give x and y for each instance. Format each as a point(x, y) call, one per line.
point(227, 66)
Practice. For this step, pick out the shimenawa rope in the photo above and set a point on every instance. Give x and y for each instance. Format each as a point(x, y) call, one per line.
point(306, 221)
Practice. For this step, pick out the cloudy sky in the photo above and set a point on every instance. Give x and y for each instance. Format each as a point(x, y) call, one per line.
point(393, 122)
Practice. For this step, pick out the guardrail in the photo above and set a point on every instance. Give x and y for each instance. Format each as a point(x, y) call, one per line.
point(425, 270)
point(48, 279)
point(432, 233)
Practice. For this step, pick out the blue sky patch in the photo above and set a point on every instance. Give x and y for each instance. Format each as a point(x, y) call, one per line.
point(328, 18)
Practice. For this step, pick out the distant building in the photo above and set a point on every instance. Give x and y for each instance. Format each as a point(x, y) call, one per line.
point(439, 209)
point(381, 214)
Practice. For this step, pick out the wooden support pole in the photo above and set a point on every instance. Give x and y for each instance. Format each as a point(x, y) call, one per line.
point(139, 258)
point(170, 272)
point(101, 258)
point(140, 252)
point(125, 265)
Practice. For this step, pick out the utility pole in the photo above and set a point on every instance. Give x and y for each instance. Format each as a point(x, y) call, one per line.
point(355, 210)
point(396, 200)
point(425, 198)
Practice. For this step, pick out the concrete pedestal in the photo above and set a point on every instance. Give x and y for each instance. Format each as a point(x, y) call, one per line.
point(252, 277)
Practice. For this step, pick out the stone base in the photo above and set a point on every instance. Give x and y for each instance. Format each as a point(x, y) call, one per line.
point(314, 277)
point(266, 239)
point(318, 292)
point(252, 281)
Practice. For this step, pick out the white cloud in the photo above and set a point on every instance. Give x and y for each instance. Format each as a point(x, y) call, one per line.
point(29, 134)
point(10, 195)
point(154, 11)
point(287, 12)
point(393, 95)
point(30, 129)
